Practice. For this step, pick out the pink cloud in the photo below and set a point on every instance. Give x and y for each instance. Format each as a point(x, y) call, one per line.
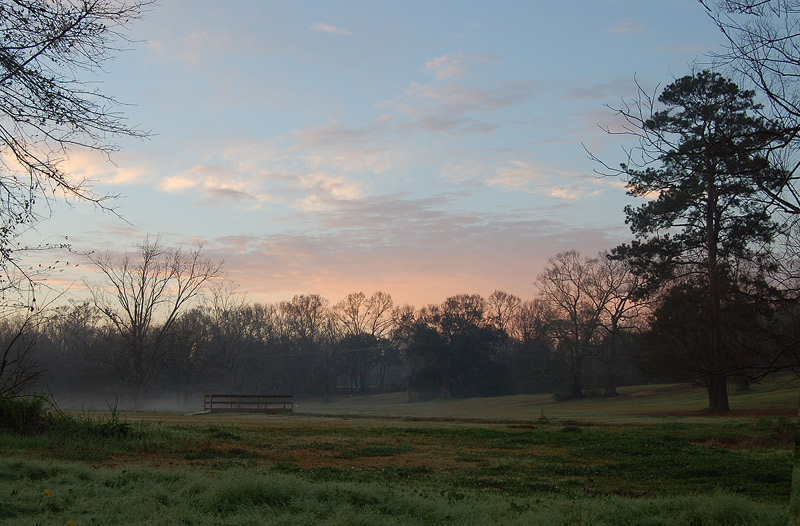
point(322, 27)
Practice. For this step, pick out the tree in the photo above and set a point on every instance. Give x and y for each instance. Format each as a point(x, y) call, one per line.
point(310, 335)
point(701, 163)
point(568, 286)
point(452, 345)
point(77, 340)
point(621, 315)
point(502, 309)
point(365, 323)
point(46, 110)
point(676, 345)
point(20, 368)
point(143, 297)
point(187, 361)
point(764, 48)
point(535, 367)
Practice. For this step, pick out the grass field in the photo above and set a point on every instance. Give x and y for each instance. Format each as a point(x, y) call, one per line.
point(648, 458)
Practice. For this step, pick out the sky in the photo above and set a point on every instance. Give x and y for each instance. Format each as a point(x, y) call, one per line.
point(423, 149)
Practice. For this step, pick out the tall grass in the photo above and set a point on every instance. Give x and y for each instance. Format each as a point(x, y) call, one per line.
point(55, 493)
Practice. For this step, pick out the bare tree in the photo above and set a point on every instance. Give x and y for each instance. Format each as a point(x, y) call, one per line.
point(359, 314)
point(230, 319)
point(143, 296)
point(188, 356)
point(621, 311)
point(365, 323)
point(46, 110)
point(502, 308)
point(568, 284)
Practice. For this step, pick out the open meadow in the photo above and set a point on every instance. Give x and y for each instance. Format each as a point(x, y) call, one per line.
point(649, 457)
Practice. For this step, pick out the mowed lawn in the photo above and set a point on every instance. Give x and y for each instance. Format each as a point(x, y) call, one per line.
point(648, 457)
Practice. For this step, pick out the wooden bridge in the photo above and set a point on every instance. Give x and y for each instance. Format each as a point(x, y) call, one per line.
point(248, 403)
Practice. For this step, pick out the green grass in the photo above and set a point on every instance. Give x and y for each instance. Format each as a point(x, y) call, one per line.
point(480, 461)
point(778, 395)
point(55, 493)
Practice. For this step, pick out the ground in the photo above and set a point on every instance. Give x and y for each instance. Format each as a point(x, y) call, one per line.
point(650, 456)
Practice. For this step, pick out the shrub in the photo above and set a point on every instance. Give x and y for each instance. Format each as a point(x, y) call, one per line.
point(23, 414)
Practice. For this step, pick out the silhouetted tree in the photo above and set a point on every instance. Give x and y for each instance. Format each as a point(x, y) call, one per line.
point(622, 312)
point(77, 339)
point(453, 347)
point(569, 285)
point(310, 333)
point(676, 344)
point(701, 164)
point(188, 363)
point(142, 298)
point(365, 323)
point(535, 367)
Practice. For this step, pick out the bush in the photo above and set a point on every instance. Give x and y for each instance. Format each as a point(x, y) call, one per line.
point(34, 414)
point(23, 414)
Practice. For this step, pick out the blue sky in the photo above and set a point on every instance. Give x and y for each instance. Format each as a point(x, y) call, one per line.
point(420, 148)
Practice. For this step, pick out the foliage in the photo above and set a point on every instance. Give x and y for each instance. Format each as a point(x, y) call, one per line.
point(36, 415)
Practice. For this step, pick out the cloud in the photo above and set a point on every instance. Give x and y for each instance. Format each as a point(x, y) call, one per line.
point(463, 170)
point(626, 26)
point(459, 98)
point(195, 47)
point(413, 248)
point(325, 191)
point(178, 183)
point(217, 184)
point(442, 108)
point(544, 180)
point(333, 134)
point(446, 66)
point(95, 167)
point(321, 27)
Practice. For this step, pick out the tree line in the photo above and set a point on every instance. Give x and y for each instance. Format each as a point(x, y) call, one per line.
point(148, 333)
point(466, 346)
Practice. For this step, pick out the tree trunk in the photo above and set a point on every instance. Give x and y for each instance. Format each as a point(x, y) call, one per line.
point(611, 382)
point(382, 377)
point(611, 375)
point(575, 389)
point(445, 388)
point(717, 385)
point(717, 388)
